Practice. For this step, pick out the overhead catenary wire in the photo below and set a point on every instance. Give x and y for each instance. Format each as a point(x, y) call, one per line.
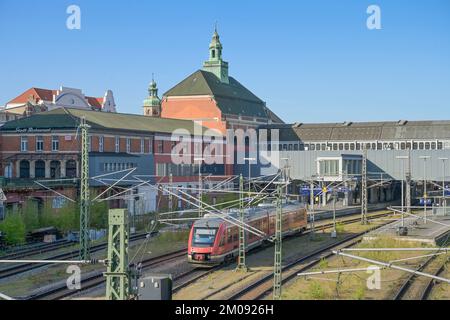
point(226, 218)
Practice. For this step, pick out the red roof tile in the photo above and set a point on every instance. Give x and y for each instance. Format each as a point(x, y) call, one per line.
point(47, 95)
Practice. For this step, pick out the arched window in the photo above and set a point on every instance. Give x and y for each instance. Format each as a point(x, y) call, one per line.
point(39, 169)
point(213, 54)
point(71, 169)
point(55, 170)
point(24, 169)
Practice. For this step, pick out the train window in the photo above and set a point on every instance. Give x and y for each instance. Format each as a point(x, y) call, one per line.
point(439, 146)
point(433, 146)
point(408, 146)
point(230, 236)
point(421, 146)
point(415, 146)
point(235, 237)
point(295, 147)
point(204, 236)
point(358, 146)
point(427, 146)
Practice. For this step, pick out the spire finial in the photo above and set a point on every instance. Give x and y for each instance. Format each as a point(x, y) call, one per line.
point(215, 27)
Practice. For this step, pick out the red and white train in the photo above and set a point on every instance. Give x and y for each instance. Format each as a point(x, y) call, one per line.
point(213, 241)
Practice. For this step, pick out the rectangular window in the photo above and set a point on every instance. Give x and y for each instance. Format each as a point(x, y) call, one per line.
point(55, 143)
point(101, 141)
point(24, 144)
point(39, 143)
point(142, 146)
point(150, 146)
point(160, 146)
point(161, 169)
point(117, 145)
point(128, 145)
point(90, 143)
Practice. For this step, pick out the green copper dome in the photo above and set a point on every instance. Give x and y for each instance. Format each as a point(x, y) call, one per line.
point(152, 100)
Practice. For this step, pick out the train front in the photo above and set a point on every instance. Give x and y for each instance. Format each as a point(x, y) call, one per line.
point(203, 242)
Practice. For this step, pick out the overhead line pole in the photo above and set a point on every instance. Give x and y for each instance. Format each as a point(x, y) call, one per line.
point(241, 262)
point(364, 187)
point(84, 193)
point(277, 274)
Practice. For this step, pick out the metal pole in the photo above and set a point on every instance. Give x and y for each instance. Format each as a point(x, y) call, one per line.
point(389, 265)
point(84, 193)
point(444, 202)
point(241, 262)
point(118, 274)
point(334, 233)
point(408, 183)
point(170, 195)
point(403, 196)
point(364, 188)
point(311, 196)
point(277, 279)
point(425, 196)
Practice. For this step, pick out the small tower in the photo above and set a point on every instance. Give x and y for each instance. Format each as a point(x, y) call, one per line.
point(152, 105)
point(215, 64)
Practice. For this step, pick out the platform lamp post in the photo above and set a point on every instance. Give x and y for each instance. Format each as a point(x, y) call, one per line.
point(425, 197)
point(403, 182)
point(444, 202)
point(287, 177)
point(200, 185)
point(249, 171)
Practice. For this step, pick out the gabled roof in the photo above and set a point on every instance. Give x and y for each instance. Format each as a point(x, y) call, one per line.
point(39, 95)
point(232, 98)
point(66, 118)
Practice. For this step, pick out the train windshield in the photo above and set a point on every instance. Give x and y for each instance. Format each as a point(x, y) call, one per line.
point(203, 236)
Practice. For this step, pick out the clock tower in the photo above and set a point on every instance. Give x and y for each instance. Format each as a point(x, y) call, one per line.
point(215, 64)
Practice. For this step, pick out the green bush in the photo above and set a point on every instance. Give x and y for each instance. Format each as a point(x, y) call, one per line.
point(99, 215)
point(30, 214)
point(316, 291)
point(14, 229)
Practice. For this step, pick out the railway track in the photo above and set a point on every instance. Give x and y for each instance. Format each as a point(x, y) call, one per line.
point(183, 280)
point(97, 279)
point(263, 286)
point(18, 269)
point(417, 287)
point(36, 249)
point(431, 282)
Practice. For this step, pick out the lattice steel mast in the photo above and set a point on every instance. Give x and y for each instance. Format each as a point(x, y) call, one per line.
point(241, 262)
point(118, 274)
point(364, 187)
point(84, 192)
point(277, 275)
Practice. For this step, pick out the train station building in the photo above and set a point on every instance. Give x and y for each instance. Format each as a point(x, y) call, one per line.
point(46, 148)
point(331, 155)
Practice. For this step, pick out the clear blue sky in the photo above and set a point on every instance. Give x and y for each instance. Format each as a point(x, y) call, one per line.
point(311, 61)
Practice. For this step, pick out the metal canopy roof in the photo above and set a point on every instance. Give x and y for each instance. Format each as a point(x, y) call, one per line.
point(401, 130)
